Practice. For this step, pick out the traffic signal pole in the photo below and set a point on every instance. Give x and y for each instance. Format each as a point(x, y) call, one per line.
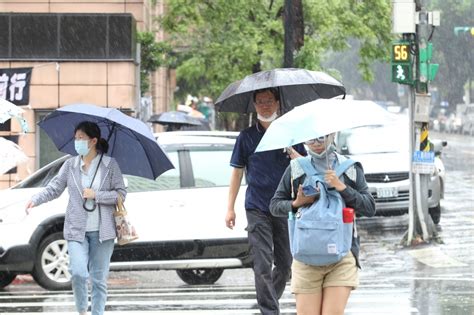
point(415, 24)
point(421, 89)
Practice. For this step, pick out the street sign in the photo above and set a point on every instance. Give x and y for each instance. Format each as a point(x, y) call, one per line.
point(401, 58)
point(423, 162)
point(422, 107)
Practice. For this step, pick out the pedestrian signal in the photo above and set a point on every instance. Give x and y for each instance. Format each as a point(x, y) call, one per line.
point(402, 74)
point(401, 52)
point(401, 62)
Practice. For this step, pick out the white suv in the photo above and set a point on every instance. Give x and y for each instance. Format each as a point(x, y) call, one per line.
point(179, 219)
point(383, 152)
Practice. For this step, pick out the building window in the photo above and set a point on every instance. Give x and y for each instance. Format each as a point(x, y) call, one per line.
point(46, 150)
point(15, 140)
point(6, 126)
point(67, 36)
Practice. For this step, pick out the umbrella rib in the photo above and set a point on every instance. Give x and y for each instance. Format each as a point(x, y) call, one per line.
point(133, 135)
point(148, 158)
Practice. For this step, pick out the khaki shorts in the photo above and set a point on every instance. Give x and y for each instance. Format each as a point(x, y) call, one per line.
point(312, 279)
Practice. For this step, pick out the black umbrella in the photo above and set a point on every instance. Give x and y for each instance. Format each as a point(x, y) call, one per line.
point(296, 87)
point(175, 118)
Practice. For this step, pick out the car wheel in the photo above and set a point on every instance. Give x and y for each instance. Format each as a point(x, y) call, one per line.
point(6, 278)
point(200, 276)
point(52, 262)
point(435, 214)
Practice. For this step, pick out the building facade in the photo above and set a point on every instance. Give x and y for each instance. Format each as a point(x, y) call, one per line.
point(75, 52)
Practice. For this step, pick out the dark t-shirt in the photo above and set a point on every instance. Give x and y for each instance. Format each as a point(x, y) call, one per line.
point(263, 170)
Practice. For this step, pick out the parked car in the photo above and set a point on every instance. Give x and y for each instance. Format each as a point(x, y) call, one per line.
point(384, 153)
point(179, 218)
point(439, 119)
point(468, 120)
point(454, 123)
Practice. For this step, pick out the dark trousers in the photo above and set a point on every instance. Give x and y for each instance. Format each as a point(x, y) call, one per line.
point(270, 250)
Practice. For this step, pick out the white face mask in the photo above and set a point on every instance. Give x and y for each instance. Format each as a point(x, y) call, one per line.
point(82, 147)
point(267, 119)
point(331, 148)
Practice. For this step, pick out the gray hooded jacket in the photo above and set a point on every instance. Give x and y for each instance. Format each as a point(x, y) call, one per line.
point(106, 198)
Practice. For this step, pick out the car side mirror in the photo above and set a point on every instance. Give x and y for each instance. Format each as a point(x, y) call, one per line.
point(438, 146)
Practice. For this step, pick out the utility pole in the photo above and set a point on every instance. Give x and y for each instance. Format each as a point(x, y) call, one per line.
point(411, 65)
point(289, 34)
point(293, 24)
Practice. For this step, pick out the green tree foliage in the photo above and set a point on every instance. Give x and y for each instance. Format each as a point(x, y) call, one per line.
point(152, 56)
point(380, 89)
point(453, 53)
point(221, 41)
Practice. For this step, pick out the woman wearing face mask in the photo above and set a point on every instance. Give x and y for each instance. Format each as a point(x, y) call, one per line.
point(94, 182)
point(324, 289)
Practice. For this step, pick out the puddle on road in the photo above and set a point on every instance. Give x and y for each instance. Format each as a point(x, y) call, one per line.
point(435, 258)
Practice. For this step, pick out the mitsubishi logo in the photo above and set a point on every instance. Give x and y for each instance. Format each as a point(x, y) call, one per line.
point(386, 179)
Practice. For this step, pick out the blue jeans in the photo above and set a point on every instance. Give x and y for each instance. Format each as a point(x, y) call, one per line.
point(91, 257)
point(270, 250)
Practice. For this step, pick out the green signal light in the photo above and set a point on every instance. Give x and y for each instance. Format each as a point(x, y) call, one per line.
point(458, 30)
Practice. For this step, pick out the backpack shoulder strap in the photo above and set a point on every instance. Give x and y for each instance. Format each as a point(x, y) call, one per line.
point(305, 163)
point(344, 166)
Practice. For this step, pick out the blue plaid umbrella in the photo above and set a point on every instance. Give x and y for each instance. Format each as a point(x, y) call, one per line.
point(131, 141)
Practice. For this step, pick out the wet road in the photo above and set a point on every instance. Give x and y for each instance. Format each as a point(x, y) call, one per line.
point(432, 279)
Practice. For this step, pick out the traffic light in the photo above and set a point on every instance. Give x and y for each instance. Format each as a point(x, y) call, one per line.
point(427, 69)
point(401, 63)
point(466, 31)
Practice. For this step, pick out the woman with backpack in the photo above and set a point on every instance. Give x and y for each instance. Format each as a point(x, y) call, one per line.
point(324, 289)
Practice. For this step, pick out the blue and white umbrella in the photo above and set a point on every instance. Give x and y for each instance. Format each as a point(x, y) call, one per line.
point(11, 155)
point(319, 118)
point(9, 110)
point(131, 141)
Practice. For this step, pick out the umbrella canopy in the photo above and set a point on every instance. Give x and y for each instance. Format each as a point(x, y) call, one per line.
point(9, 110)
point(131, 141)
point(296, 87)
point(319, 118)
point(11, 155)
point(175, 118)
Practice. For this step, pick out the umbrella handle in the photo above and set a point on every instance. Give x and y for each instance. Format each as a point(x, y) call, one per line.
point(89, 209)
point(327, 153)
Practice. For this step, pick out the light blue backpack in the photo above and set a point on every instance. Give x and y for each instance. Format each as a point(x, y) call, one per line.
point(318, 235)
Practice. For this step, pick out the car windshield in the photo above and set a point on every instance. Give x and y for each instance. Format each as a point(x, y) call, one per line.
point(374, 139)
point(211, 168)
point(43, 176)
